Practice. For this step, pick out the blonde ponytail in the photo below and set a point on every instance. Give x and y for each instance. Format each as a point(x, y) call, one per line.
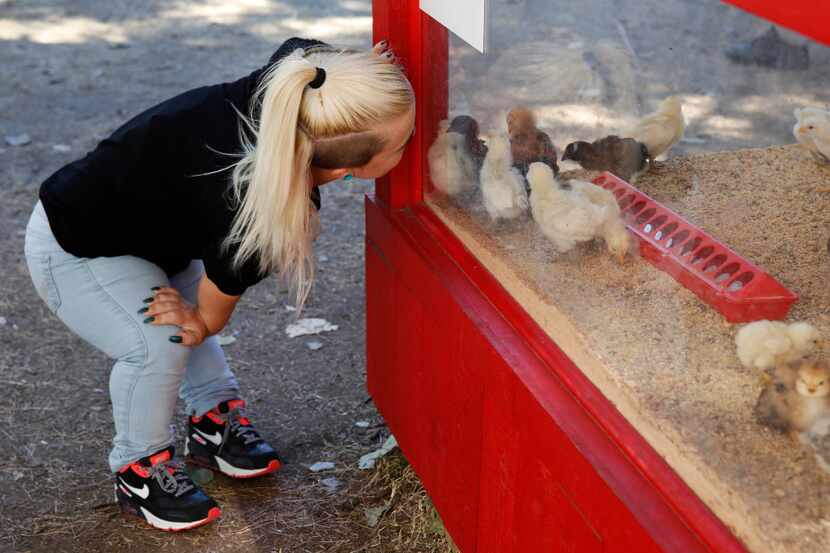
point(271, 183)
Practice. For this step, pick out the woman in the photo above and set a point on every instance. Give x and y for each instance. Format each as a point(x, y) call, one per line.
point(144, 247)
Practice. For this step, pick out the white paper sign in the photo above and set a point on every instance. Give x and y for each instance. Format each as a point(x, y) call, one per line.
point(465, 18)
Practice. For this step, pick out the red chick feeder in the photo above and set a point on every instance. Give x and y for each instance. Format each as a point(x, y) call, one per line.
point(739, 290)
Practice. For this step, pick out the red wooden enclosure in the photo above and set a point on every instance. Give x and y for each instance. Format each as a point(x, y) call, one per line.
point(517, 448)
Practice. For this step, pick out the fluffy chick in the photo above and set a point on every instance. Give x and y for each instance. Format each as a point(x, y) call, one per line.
point(660, 130)
point(625, 157)
point(796, 399)
point(577, 214)
point(614, 232)
point(456, 156)
point(812, 130)
point(466, 125)
point(765, 344)
point(502, 186)
point(527, 143)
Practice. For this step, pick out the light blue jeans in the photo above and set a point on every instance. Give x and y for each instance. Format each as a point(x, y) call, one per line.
point(98, 299)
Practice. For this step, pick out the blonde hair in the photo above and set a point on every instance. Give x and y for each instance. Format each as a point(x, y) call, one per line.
point(293, 125)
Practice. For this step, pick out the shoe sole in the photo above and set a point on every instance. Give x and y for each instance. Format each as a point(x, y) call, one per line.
point(158, 523)
point(223, 467)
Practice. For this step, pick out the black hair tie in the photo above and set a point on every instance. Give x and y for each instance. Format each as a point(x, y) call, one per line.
point(319, 78)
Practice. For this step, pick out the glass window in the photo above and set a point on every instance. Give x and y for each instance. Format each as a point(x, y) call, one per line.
point(694, 104)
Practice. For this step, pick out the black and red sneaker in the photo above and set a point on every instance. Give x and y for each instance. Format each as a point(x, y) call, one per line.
point(223, 439)
point(158, 489)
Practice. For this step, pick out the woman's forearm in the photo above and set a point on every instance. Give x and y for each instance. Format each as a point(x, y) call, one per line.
point(214, 306)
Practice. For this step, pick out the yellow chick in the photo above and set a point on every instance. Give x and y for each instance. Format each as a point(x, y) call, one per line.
point(502, 186)
point(661, 130)
point(763, 345)
point(580, 213)
point(797, 398)
point(812, 130)
point(614, 232)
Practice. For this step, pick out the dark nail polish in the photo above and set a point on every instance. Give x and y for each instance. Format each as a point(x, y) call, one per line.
point(149, 320)
point(384, 43)
point(148, 300)
point(154, 288)
point(176, 339)
point(143, 310)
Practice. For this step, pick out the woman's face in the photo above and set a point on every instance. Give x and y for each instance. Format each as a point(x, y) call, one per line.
point(396, 135)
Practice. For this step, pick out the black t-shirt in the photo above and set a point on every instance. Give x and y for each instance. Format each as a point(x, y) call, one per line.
point(159, 187)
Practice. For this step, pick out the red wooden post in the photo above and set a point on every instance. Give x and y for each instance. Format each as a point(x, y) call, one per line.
point(421, 44)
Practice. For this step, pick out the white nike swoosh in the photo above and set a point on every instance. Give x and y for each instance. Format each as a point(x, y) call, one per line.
point(142, 492)
point(215, 439)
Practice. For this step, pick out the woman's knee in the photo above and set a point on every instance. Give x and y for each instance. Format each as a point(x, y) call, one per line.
point(161, 354)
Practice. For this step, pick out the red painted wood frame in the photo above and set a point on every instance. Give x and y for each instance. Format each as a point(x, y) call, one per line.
point(808, 17)
point(517, 448)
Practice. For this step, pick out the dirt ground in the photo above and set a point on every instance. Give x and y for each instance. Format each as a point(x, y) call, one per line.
point(70, 73)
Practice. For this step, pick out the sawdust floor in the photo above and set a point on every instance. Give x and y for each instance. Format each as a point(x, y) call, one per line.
point(666, 359)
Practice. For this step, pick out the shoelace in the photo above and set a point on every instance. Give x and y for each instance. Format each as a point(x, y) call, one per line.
point(172, 477)
point(244, 431)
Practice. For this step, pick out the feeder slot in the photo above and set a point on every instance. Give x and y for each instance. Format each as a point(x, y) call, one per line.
point(740, 282)
point(646, 215)
point(727, 272)
point(625, 202)
point(714, 263)
point(702, 254)
point(636, 208)
point(691, 246)
point(665, 232)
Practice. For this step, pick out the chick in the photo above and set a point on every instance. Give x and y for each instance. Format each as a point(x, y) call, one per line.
point(502, 186)
point(660, 130)
point(456, 156)
point(613, 232)
point(812, 130)
point(580, 213)
point(466, 125)
point(766, 344)
point(625, 157)
point(527, 143)
point(796, 399)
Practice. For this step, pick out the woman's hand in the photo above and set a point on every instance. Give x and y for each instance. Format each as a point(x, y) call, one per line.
point(169, 308)
point(383, 50)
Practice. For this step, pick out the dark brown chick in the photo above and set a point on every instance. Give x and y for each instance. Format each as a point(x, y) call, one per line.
point(527, 143)
point(466, 125)
point(625, 157)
